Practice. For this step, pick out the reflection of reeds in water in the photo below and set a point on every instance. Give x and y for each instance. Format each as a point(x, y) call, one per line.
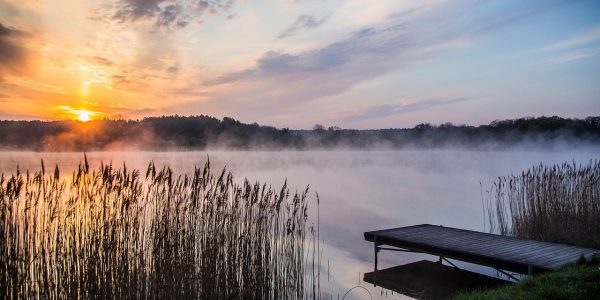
point(559, 203)
point(110, 233)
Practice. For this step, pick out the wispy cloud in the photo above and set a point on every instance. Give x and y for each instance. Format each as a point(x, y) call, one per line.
point(589, 37)
point(353, 58)
point(99, 60)
point(39, 86)
point(303, 22)
point(10, 116)
point(575, 48)
point(120, 109)
point(167, 13)
point(386, 110)
point(284, 81)
point(68, 112)
point(575, 55)
point(102, 111)
point(14, 54)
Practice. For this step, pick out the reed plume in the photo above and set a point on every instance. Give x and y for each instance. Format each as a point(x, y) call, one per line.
point(112, 232)
point(559, 203)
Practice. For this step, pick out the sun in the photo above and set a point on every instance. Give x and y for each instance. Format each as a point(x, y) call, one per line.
point(67, 112)
point(84, 115)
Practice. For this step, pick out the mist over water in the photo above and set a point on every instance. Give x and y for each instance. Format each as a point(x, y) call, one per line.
point(359, 191)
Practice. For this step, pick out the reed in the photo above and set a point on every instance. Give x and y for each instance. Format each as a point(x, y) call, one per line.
point(559, 203)
point(115, 233)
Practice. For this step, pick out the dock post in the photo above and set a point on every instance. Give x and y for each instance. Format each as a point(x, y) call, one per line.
point(376, 248)
point(529, 270)
point(376, 251)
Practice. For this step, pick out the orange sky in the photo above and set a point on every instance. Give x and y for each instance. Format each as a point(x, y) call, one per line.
point(72, 56)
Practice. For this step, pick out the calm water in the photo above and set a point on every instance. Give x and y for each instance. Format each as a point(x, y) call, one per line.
point(359, 191)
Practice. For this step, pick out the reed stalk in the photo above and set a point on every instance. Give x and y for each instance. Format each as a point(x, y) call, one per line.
point(558, 203)
point(112, 232)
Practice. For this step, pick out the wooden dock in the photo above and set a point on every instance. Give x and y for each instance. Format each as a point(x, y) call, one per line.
point(500, 252)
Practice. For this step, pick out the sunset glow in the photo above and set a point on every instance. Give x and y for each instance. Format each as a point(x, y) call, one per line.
point(352, 63)
point(84, 115)
point(143, 144)
point(65, 112)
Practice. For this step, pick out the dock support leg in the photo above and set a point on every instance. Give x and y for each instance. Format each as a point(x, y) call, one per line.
point(376, 249)
point(529, 270)
point(508, 275)
point(376, 252)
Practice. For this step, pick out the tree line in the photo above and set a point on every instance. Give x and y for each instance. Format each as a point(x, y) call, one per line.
point(205, 132)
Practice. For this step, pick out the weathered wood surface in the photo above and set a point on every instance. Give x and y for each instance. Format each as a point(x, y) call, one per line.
point(503, 252)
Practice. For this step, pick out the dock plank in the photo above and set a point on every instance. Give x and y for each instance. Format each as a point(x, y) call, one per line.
point(494, 250)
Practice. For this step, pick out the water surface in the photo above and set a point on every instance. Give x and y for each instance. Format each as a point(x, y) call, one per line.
point(359, 191)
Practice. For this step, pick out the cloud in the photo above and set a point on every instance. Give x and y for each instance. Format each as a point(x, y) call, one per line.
point(167, 13)
point(373, 51)
point(38, 86)
point(9, 116)
point(282, 85)
point(579, 47)
point(303, 22)
point(103, 111)
point(280, 82)
point(367, 51)
point(118, 109)
point(589, 37)
point(575, 55)
point(174, 69)
point(68, 112)
point(137, 9)
point(385, 110)
point(14, 55)
point(99, 60)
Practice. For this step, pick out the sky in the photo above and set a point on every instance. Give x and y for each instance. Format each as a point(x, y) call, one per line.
point(296, 63)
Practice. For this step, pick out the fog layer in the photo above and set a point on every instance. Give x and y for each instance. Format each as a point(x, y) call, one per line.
point(204, 132)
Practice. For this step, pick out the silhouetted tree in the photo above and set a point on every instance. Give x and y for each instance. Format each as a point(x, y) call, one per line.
point(200, 132)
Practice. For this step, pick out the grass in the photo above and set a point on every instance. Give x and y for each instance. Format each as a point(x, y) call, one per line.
point(559, 203)
point(115, 233)
point(573, 282)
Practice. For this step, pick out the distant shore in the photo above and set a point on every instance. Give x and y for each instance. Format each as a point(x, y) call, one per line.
point(177, 133)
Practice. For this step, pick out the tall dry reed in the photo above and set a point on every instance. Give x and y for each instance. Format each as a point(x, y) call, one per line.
point(115, 233)
point(559, 203)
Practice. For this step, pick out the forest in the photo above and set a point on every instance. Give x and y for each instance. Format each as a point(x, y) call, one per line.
point(167, 133)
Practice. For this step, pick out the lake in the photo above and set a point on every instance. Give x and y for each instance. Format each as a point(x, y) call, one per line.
point(359, 191)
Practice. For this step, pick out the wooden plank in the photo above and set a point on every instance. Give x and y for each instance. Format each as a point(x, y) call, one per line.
point(564, 258)
point(487, 241)
point(482, 248)
point(510, 249)
point(557, 256)
point(493, 262)
point(475, 249)
point(519, 253)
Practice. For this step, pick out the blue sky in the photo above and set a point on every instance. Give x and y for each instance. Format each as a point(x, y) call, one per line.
point(354, 64)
